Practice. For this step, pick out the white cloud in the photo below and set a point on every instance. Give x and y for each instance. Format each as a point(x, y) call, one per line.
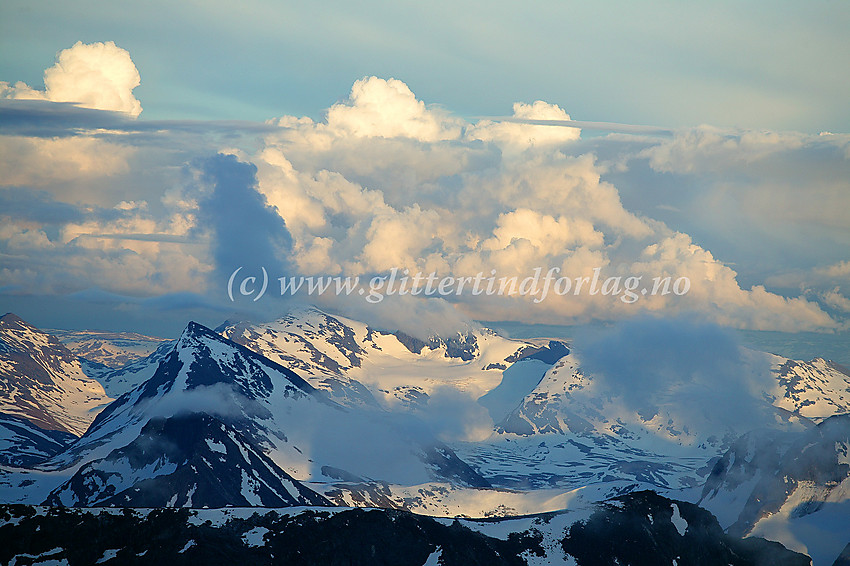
point(676, 373)
point(822, 278)
point(543, 231)
point(706, 148)
point(478, 211)
point(131, 253)
point(23, 237)
point(513, 136)
point(767, 178)
point(840, 269)
point(388, 109)
point(398, 238)
point(95, 75)
point(39, 162)
point(384, 182)
point(836, 300)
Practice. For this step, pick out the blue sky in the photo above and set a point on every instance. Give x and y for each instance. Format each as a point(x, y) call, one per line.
point(761, 65)
point(146, 150)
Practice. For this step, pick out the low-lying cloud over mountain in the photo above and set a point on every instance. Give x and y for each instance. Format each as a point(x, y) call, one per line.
point(692, 374)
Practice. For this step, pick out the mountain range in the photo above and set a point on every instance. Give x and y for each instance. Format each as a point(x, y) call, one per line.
point(316, 411)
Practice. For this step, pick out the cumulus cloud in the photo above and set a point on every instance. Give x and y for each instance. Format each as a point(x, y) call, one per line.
point(823, 284)
point(95, 75)
point(90, 87)
point(758, 181)
point(817, 278)
point(39, 162)
point(834, 299)
point(707, 148)
point(543, 231)
point(714, 289)
point(388, 109)
point(513, 136)
point(482, 208)
point(56, 248)
point(385, 181)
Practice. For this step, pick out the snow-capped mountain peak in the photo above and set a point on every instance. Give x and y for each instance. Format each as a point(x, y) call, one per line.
point(273, 409)
point(191, 460)
point(360, 365)
point(815, 389)
point(43, 381)
point(204, 372)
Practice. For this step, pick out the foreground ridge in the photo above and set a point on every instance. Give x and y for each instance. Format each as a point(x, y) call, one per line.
point(639, 528)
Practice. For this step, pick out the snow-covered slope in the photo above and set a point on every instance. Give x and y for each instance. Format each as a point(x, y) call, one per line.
point(348, 413)
point(116, 382)
point(202, 372)
point(567, 401)
point(793, 488)
point(22, 444)
point(553, 429)
point(112, 349)
point(320, 348)
point(341, 356)
point(562, 435)
point(569, 432)
point(405, 374)
point(518, 384)
point(192, 460)
point(816, 389)
point(42, 381)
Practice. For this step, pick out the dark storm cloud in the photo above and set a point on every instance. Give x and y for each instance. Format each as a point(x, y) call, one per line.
point(245, 230)
point(37, 206)
point(33, 205)
point(42, 118)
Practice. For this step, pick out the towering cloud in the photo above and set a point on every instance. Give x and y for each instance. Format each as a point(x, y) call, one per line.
point(388, 109)
point(386, 181)
point(244, 230)
point(96, 75)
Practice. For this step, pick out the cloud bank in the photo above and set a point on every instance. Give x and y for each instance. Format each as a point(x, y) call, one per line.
point(388, 181)
point(428, 193)
point(679, 373)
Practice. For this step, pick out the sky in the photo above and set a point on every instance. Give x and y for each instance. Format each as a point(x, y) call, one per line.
point(148, 151)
